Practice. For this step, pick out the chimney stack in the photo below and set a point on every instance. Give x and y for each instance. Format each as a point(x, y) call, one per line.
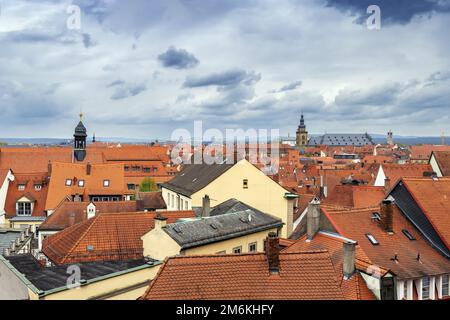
point(348, 267)
point(387, 215)
point(88, 168)
point(387, 184)
point(160, 221)
point(272, 249)
point(313, 219)
point(206, 206)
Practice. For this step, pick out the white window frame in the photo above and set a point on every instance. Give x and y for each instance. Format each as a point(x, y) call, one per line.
point(81, 183)
point(38, 187)
point(429, 288)
point(24, 209)
point(68, 182)
point(21, 187)
point(106, 183)
point(251, 244)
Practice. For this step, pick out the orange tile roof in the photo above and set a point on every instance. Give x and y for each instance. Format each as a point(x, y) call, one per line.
point(423, 152)
point(355, 196)
point(302, 276)
point(69, 213)
point(38, 197)
point(433, 197)
point(397, 171)
point(443, 160)
point(354, 288)
point(107, 236)
point(3, 175)
point(93, 182)
point(356, 223)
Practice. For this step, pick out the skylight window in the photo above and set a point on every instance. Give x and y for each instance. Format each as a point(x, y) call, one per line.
point(89, 248)
point(81, 183)
point(408, 234)
point(21, 187)
point(106, 183)
point(68, 182)
point(376, 216)
point(372, 239)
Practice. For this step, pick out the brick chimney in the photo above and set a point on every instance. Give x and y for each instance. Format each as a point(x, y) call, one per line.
point(88, 168)
point(386, 215)
point(348, 267)
point(313, 219)
point(206, 206)
point(272, 248)
point(387, 184)
point(160, 221)
point(49, 168)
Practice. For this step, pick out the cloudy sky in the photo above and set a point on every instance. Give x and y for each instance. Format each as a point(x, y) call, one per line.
point(144, 68)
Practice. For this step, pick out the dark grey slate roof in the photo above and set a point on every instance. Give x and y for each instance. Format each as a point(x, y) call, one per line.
point(195, 177)
point(229, 206)
point(49, 278)
point(202, 231)
point(6, 237)
point(341, 139)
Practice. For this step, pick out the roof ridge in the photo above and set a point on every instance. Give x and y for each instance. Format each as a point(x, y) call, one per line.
point(93, 221)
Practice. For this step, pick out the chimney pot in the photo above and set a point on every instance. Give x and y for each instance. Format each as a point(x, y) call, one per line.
point(272, 248)
point(348, 267)
point(206, 206)
point(160, 221)
point(313, 219)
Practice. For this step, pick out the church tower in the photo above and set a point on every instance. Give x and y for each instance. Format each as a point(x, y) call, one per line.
point(80, 135)
point(302, 134)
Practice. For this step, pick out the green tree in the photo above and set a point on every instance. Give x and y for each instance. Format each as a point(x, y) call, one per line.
point(147, 185)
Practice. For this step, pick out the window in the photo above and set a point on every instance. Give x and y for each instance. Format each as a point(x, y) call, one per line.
point(146, 169)
point(237, 250)
point(37, 187)
point(245, 183)
point(131, 186)
point(408, 234)
point(376, 216)
point(89, 248)
point(24, 209)
point(126, 168)
point(173, 200)
point(426, 288)
point(221, 252)
point(106, 183)
point(445, 288)
point(21, 187)
point(168, 200)
point(186, 206)
point(68, 182)
point(81, 183)
point(252, 247)
point(372, 239)
point(405, 289)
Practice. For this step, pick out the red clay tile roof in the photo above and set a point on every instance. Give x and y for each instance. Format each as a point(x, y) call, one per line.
point(69, 213)
point(354, 288)
point(302, 276)
point(93, 183)
point(355, 196)
point(356, 223)
point(108, 236)
point(38, 197)
point(423, 152)
point(433, 197)
point(3, 175)
point(443, 160)
point(397, 171)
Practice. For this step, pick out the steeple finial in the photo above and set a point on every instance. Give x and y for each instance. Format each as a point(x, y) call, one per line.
point(81, 115)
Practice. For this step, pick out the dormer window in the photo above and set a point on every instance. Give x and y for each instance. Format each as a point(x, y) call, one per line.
point(81, 183)
point(38, 187)
point(21, 187)
point(106, 183)
point(24, 209)
point(68, 182)
point(408, 234)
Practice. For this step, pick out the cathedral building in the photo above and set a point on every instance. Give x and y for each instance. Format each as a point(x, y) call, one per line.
point(301, 134)
point(80, 135)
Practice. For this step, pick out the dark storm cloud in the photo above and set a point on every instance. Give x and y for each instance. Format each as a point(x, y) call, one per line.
point(392, 11)
point(178, 59)
point(223, 79)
